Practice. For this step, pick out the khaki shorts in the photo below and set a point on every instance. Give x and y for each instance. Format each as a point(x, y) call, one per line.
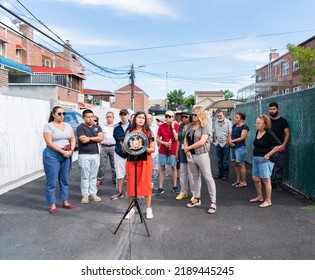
point(120, 166)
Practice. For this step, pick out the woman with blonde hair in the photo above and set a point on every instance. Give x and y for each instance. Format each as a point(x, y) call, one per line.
point(197, 147)
point(266, 144)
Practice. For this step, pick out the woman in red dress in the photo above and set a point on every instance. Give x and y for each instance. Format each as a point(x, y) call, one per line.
point(144, 165)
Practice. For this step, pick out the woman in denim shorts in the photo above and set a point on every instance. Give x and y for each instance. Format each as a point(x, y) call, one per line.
point(266, 144)
point(238, 149)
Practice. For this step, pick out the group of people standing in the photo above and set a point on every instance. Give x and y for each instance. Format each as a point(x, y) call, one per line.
point(185, 141)
point(271, 138)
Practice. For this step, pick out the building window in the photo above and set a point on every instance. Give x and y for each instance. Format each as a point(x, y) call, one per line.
point(46, 62)
point(1, 48)
point(285, 91)
point(297, 88)
point(296, 65)
point(259, 78)
point(311, 85)
point(18, 53)
point(285, 69)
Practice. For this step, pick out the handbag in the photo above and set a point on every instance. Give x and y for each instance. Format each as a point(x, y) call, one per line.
point(67, 147)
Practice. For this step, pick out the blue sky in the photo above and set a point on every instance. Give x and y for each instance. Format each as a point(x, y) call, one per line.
point(180, 44)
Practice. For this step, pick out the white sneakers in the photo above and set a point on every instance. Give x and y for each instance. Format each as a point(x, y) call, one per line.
point(149, 213)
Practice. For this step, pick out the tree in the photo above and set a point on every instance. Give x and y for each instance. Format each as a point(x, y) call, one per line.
point(189, 101)
point(228, 94)
point(175, 98)
point(305, 57)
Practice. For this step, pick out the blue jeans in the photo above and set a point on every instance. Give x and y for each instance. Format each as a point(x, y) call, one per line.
point(57, 167)
point(223, 155)
point(89, 165)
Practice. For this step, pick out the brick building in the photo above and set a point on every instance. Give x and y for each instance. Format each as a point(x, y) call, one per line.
point(280, 76)
point(123, 99)
point(25, 65)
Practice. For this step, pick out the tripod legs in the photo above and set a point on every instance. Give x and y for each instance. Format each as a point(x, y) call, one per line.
point(134, 203)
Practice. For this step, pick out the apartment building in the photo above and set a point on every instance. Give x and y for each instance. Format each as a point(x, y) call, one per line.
point(29, 69)
point(280, 76)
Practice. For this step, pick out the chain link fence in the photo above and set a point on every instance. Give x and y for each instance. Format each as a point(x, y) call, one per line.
point(299, 110)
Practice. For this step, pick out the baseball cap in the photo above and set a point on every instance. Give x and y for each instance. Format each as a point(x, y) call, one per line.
point(187, 111)
point(160, 119)
point(123, 111)
point(170, 113)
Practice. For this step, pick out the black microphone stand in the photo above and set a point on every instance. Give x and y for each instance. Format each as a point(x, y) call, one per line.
point(134, 203)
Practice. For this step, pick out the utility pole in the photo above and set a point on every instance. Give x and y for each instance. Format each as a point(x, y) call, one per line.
point(132, 84)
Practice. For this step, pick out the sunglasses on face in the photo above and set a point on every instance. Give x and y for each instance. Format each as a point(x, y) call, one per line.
point(194, 115)
point(185, 117)
point(96, 120)
point(168, 116)
point(61, 113)
point(123, 114)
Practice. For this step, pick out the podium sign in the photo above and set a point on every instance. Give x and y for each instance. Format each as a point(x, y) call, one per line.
point(136, 143)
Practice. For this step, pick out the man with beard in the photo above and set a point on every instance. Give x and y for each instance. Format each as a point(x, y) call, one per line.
point(280, 127)
point(222, 132)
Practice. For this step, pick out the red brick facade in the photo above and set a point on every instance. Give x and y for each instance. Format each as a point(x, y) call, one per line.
point(123, 99)
point(21, 50)
point(284, 78)
point(3, 78)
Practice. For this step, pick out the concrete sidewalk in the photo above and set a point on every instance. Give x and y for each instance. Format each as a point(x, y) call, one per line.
point(239, 229)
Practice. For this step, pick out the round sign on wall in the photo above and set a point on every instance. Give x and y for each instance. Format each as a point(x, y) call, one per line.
point(136, 143)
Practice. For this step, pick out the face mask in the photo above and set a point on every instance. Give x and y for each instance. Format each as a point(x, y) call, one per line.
point(124, 121)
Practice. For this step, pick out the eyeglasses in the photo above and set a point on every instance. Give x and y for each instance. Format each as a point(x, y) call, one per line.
point(61, 113)
point(194, 115)
point(123, 114)
point(185, 117)
point(95, 120)
point(168, 116)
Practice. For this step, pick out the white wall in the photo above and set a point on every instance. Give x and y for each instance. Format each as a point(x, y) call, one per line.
point(21, 136)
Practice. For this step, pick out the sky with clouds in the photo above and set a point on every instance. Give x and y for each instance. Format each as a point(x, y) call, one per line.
point(191, 45)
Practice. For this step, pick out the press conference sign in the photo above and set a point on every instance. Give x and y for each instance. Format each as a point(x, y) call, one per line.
point(136, 143)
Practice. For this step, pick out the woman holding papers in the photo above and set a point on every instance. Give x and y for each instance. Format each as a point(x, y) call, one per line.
point(197, 147)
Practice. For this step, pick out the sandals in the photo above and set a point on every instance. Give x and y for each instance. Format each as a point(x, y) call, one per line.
point(240, 185)
point(194, 202)
point(213, 208)
point(253, 200)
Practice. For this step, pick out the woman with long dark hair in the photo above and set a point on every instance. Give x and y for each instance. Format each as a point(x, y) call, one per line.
point(184, 172)
point(144, 166)
point(57, 158)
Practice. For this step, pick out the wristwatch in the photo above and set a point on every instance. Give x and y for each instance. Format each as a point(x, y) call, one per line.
point(91, 139)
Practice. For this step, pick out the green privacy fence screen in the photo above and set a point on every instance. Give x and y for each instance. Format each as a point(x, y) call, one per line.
point(299, 110)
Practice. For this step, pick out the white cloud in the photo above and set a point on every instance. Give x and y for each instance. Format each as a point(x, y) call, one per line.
point(148, 8)
point(77, 39)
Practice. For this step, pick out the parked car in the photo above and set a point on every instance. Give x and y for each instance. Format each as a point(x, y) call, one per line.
point(157, 109)
point(74, 119)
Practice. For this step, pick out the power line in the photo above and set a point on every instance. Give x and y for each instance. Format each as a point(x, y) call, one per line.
point(203, 42)
point(65, 46)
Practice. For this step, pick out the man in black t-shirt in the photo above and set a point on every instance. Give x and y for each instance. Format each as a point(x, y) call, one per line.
point(280, 127)
point(89, 135)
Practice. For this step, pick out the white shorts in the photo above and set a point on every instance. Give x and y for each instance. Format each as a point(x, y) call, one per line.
point(120, 166)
